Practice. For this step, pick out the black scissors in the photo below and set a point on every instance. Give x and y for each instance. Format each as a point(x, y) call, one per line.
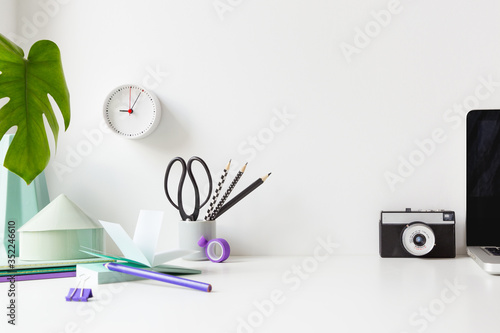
point(187, 168)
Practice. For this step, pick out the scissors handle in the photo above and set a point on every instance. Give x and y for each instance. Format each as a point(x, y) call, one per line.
point(188, 168)
point(167, 173)
point(191, 176)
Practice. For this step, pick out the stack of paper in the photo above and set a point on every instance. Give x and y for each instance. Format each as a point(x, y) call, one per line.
point(36, 270)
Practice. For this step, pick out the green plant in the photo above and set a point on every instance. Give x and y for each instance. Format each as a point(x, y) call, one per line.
point(27, 83)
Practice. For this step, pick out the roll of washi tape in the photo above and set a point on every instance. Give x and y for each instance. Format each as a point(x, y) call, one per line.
point(217, 249)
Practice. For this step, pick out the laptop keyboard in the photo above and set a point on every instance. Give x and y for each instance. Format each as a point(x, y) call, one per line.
point(493, 250)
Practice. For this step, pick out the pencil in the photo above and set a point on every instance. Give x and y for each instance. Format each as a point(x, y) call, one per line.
point(217, 191)
point(158, 276)
point(241, 195)
point(228, 192)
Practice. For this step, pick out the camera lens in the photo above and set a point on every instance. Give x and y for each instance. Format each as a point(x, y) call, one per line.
point(419, 240)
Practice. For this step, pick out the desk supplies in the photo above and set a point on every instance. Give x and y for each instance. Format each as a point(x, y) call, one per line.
point(210, 249)
point(140, 250)
point(21, 272)
point(43, 276)
point(159, 277)
point(217, 191)
point(37, 270)
point(37, 264)
point(189, 234)
point(58, 231)
point(98, 274)
point(228, 192)
point(241, 195)
point(79, 294)
point(188, 168)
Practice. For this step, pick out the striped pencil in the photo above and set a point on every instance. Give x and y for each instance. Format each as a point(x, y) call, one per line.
point(217, 191)
point(228, 192)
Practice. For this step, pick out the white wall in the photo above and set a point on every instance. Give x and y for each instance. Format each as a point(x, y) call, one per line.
point(357, 107)
point(8, 20)
point(8, 17)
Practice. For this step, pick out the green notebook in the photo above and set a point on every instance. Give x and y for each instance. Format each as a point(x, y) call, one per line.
point(36, 267)
point(37, 270)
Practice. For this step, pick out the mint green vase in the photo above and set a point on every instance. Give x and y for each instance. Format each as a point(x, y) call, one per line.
point(18, 202)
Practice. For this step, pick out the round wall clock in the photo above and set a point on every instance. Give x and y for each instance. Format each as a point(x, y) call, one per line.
point(131, 111)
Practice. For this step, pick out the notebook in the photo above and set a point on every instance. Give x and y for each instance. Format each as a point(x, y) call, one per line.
point(483, 188)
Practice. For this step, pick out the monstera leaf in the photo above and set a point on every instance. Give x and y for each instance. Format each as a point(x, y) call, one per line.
point(27, 83)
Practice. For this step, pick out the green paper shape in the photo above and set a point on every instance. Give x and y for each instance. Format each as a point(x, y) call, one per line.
point(111, 257)
point(27, 83)
point(18, 202)
point(169, 269)
point(58, 231)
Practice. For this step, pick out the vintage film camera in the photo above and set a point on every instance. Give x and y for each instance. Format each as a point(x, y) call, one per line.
point(425, 234)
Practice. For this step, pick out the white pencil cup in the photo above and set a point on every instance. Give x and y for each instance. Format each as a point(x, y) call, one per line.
point(190, 233)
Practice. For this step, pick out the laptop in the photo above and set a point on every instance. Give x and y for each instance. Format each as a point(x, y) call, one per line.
point(482, 217)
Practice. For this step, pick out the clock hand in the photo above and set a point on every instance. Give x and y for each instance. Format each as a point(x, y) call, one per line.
point(129, 97)
point(131, 108)
point(136, 100)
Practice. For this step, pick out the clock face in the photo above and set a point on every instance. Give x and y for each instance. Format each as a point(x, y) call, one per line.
point(131, 111)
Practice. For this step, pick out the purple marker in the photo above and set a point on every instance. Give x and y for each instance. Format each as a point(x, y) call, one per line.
point(158, 276)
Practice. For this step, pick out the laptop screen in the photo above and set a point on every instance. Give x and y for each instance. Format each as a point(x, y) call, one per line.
point(483, 178)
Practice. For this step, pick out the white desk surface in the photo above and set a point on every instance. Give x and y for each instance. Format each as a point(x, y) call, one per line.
point(276, 294)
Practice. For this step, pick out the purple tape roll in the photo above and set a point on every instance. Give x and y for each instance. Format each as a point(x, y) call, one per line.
point(212, 245)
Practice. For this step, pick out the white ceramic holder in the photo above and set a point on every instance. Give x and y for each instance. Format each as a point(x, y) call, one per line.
point(190, 233)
